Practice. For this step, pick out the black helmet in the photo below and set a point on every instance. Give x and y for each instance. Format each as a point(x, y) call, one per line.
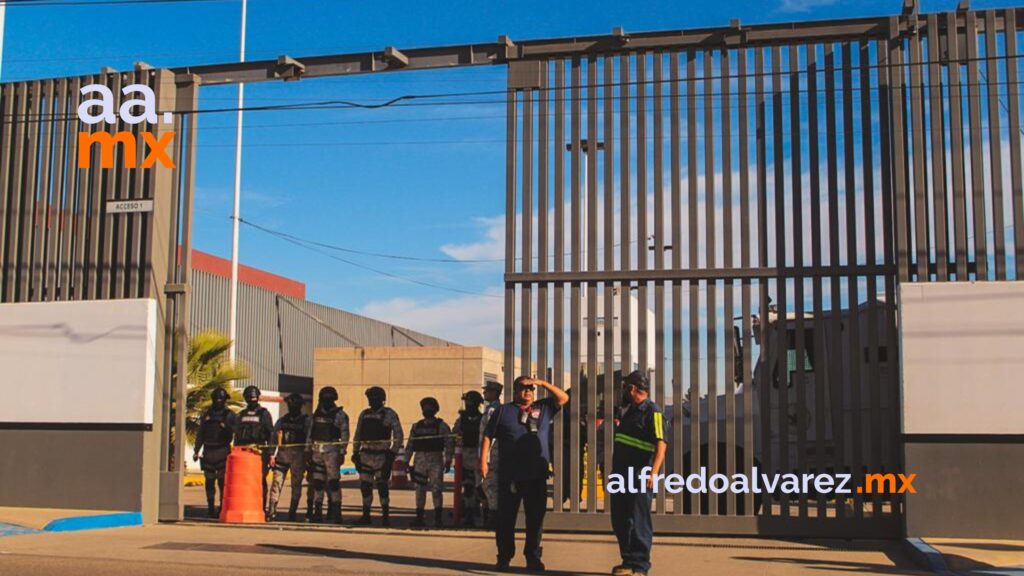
point(430, 401)
point(376, 392)
point(328, 394)
point(249, 391)
point(219, 394)
point(294, 398)
point(473, 397)
point(638, 379)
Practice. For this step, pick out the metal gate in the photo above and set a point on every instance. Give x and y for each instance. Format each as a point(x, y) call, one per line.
point(731, 210)
point(59, 238)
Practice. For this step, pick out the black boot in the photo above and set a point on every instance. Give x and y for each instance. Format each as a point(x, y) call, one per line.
point(309, 510)
point(364, 520)
point(385, 515)
point(272, 513)
point(418, 522)
point(211, 510)
point(439, 518)
point(293, 512)
point(318, 512)
point(334, 513)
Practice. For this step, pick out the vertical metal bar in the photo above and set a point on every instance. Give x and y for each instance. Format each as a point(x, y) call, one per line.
point(725, 73)
point(592, 235)
point(84, 187)
point(28, 202)
point(137, 189)
point(853, 299)
point(106, 260)
point(94, 240)
point(899, 162)
point(745, 337)
point(711, 313)
point(693, 263)
point(510, 234)
point(977, 163)
point(765, 381)
point(119, 260)
point(835, 364)
point(542, 233)
point(8, 129)
point(995, 144)
point(1013, 121)
point(41, 219)
point(659, 253)
point(782, 327)
point(956, 136)
point(816, 216)
point(921, 227)
point(55, 213)
point(559, 304)
point(608, 391)
point(796, 177)
point(575, 442)
point(526, 188)
point(867, 165)
point(626, 238)
point(936, 123)
point(66, 272)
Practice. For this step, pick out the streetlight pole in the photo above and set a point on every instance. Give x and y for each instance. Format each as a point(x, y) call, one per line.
point(233, 324)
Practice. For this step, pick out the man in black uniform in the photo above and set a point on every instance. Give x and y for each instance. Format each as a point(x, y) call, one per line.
point(325, 452)
point(290, 431)
point(639, 443)
point(255, 427)
point(377, 440)
point(216, 427)
point(467, 431)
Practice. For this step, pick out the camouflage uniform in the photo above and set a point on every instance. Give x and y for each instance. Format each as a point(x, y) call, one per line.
point(378, 438)
point(327, 443)
point(490, 484)
point(430, 449)
point(291, 431)
point(467, 428)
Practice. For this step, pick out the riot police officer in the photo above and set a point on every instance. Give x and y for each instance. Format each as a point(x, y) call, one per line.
point(430, 452)
point(467, 433)
point(378, 438)
point(254, 427)
point(216, 428)
point(290, 432)
point(328, 442)
point(489, 485)
point(639, 443)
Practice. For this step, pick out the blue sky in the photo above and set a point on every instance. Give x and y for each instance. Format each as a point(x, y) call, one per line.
point(423, 181)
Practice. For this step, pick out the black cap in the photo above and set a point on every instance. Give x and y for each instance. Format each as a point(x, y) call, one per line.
point(493, 385)
point(638, 379)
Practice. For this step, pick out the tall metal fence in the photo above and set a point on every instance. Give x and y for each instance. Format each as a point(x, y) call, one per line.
point(763, 189)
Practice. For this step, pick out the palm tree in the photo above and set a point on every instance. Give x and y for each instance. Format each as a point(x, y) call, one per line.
point(209, 369)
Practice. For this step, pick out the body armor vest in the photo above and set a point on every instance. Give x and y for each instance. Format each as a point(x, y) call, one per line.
point(434, 442)
point(324, 428)
point(373, 429)
point(250, 427)
point(293, 429)
point(214, 428)
point(471, 430)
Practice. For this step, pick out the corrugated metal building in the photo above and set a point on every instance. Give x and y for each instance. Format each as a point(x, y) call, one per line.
point(278, 328)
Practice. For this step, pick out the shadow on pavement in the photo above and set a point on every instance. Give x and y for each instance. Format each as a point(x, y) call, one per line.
point(838, 565)
point(419, 562)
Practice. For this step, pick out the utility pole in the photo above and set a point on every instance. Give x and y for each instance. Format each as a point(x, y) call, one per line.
point(233, 330)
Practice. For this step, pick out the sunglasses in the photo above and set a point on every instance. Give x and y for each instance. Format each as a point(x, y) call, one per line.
point(528, 388)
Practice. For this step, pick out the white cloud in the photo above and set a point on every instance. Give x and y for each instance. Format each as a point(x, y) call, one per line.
point(468, 320)
point(803, 5)
point(492, 246)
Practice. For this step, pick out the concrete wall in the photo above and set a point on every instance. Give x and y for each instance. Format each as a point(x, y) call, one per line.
point(963, 357)
point(407, 374)
point(77, 422)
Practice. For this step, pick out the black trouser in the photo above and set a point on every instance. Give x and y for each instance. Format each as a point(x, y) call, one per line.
point(533, 495)
point(631, 522)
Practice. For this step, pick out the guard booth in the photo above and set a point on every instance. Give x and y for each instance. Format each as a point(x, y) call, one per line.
point(762, 192)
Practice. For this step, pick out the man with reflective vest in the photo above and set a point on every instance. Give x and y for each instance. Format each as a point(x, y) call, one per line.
point(378, 439)
point(467, 433)
point(639, 443)
point(254, 427)
point(216, 428)
point(325, 451)
point(430, 451)
point(290, 438)
point(489, 485)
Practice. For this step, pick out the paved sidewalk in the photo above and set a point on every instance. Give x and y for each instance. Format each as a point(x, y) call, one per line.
point(981, 557)
point(272, 549)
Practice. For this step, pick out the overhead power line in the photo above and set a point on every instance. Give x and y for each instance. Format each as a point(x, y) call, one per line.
point(42, 3)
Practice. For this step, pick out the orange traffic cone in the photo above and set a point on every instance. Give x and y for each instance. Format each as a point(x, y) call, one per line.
point(399, 474)
point(243, 488)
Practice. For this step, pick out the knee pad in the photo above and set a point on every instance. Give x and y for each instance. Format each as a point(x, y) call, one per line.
point(383, 488)
point(318, 485)
point(334, 485)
